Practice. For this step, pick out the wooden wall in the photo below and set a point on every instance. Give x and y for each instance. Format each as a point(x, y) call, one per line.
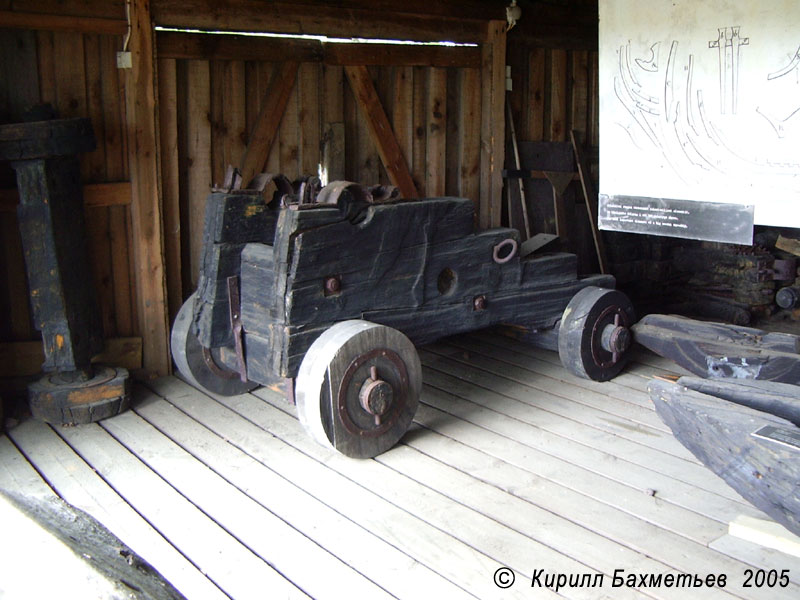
point(77, 74)
point(554, 92)
point(167, 128)
point(208, 108)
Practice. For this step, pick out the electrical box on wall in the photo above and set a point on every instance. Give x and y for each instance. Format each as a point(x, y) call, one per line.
point(699, 117)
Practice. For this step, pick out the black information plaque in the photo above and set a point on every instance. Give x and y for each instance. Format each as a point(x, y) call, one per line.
point(689, 219)
point(782, 435)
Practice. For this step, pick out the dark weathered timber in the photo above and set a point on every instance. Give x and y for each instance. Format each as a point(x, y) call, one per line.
point(231, 221)
point(99, 555)
point(717, 350)
point(330, 396)
point(779, 399)
point(594, 333)
point(731, 440)
point(46, 139)
point(75, 402)
point(416, 266)
point(50, 215)
point(211, 369)
point(335, 301)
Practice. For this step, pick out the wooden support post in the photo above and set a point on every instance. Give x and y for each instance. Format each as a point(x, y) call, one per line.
point(148, 240)
point(269, 120)
point(381, 130)
point(493, 86)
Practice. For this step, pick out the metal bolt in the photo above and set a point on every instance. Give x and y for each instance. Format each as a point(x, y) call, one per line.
point(376, 396)
point(479, 303)
point(332, 285)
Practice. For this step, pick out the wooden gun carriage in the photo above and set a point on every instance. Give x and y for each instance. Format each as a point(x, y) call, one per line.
point(333, 290)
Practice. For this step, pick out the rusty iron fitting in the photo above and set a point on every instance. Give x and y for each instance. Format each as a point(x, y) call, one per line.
point(512, 252)
point(616, 338)
point(376, 396)
point(333, 285)
point(479, 303)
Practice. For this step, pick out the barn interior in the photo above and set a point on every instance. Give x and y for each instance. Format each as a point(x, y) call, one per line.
point(514, 469)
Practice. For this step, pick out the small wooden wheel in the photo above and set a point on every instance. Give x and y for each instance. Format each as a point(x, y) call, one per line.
point(594, 335)
point(202, 367)
point(358, 388)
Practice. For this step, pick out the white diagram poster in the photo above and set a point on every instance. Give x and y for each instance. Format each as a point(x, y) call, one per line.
point(699, 103)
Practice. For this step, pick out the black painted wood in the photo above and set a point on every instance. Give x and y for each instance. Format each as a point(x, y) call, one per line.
point(51, 222)
point(417, 266)
point(721, 435)
point(779, 399)
point(232, 220)
point(716, 350)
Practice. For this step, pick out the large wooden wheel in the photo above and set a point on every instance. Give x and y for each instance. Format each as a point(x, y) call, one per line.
point(594, 336)
point(358, 388)
point(202, 367)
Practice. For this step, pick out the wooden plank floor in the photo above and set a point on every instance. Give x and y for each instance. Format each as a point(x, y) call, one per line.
point(511, 462)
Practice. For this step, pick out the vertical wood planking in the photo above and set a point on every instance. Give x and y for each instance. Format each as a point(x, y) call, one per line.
point(594, 103)
point(94, 168)
point(117, 170)
point(19, 88)
point(146, 219)
point(470, 161)
point(558, 96)
point(234, 119)
point(17, 285)
point(217, 115)
point(368, 160)
point(454, 138)
point(384, 86)
point(403, 111)
point(289, 138)
point(253, 96)
point(198, 153)
point(333, 125)
point(380, 132)
point(267, 80)
point(436, 139)
point(70, 74)
point(94, 163)
point(493, 61)
point(170, 182)
point(419, 147)
point(47, 67)
point(518, 60)
point(579, 92)
point(280, 92)
point(350, 134)
point(534, 130)
point(309, 118)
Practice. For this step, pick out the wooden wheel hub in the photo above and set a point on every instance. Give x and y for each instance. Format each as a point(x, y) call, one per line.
point(369, 405)
point(594, 336)
point(358, 388)
point(615, 337)
point(376, 395)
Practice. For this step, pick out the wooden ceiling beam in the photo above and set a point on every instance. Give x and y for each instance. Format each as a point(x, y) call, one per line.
point(402, 56)
point(29, 20)
point(185, 45)
point(328, 18)
point(202, 46)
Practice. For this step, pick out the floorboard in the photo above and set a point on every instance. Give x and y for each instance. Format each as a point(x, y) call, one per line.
point(511, 463)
